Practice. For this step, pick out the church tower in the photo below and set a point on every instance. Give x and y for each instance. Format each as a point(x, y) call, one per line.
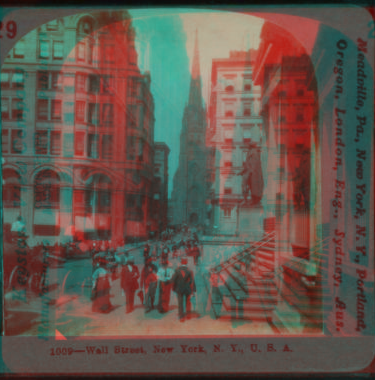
point(189, 190)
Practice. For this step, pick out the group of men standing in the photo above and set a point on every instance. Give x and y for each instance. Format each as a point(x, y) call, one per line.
point(156, 280)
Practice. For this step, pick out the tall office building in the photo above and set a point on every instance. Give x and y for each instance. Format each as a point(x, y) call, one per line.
point(78, 131)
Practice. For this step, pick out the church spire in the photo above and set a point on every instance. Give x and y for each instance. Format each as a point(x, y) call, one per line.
point(195, 96)
point(195, 71)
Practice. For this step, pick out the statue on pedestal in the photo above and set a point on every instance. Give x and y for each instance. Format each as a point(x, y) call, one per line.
point(252, 177)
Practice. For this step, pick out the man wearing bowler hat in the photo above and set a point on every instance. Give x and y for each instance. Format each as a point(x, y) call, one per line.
point(183, 285)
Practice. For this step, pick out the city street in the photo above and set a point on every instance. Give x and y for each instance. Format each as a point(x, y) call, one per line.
point(70, 312)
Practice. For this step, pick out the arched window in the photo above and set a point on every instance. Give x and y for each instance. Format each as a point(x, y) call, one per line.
point(11, 189)
point(47, 190)
point(85, 26)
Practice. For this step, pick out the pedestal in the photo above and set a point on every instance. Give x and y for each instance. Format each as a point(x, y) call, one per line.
point(250, 221)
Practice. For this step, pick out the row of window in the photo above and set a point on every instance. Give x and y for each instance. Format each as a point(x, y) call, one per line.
point(86, 51)
point(91, 145)
point(88, 201)
point(246, 88)
point(53, 80)
point(245, 110)
point(298, 118)
point(14, 79)
point(92, 113)
point(284, 93)
point(51, 110)
point(49, 142)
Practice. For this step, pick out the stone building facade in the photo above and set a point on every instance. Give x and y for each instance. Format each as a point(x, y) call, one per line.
point(78, 131)
point(235, 123)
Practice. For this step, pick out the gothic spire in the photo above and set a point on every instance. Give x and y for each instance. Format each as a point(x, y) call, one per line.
point(195, 71)
point(195, 96)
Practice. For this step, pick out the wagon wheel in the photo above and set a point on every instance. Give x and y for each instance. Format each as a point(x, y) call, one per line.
point(13, 278)
point(63, 285)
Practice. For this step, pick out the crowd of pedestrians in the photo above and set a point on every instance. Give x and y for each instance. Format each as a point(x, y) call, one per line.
point(154, 282)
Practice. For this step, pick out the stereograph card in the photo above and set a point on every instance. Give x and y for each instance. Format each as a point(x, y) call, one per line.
point(187, 190)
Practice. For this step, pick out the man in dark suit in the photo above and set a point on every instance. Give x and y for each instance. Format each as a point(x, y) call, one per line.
point(129, 282)
point(184, 285)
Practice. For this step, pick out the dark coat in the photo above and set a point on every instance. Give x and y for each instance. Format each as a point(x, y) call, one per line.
point(129, 280)
point(183, 281)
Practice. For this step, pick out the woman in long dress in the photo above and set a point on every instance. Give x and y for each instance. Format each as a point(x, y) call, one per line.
point(101, 285)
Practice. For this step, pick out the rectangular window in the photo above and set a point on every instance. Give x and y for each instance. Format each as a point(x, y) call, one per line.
point(131, 148)
point(43, 80)
point(134, 207)
point(246, 136)
point(93, 116)
point(5, 141)
point(107, 147)
point(104, 201)
point(94, 83)
point(93, 146)
point(81, 83)
point(79, 148)
point(140, 150)
point(56, 143)
point(5, 79)
point(17, 109)
point(132, 115)
point(247, 109)
point(42, 109)
point(247, 87)
point(56, 109)
point(228, 110)
point(80, 111)
point(107, 83)
point(228, 136)
point(68, 144)
point(58, 50)
point(109, 53)
point(132, 87)
point(44, 49)
point(4, 108)
point(81, 51)
point(56, 81)
point(90, 49)
point(227, 190)
point(18, 79)
point(18, 145)
point(107, 114)
point(300, 117)
point(41, 142)
point(19, 49)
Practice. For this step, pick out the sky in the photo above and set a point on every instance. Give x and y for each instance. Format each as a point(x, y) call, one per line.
point(165, 45)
